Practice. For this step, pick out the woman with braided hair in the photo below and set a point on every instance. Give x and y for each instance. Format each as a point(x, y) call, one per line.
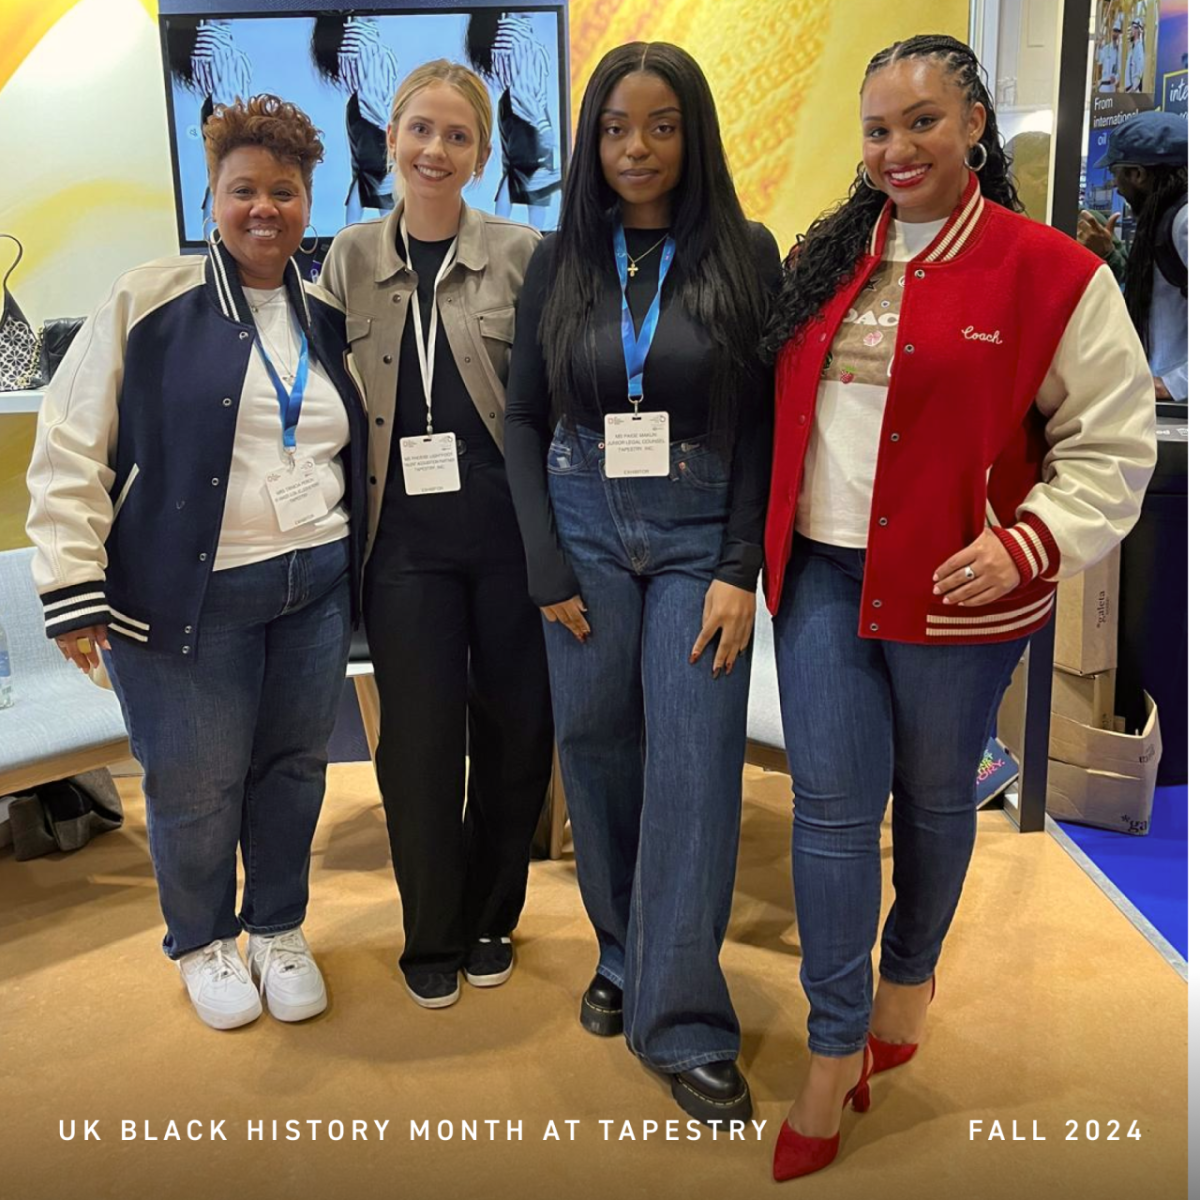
point(963, 416)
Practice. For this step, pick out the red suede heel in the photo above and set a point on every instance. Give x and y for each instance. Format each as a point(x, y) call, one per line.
point(797, 1155)
point(887, 1055)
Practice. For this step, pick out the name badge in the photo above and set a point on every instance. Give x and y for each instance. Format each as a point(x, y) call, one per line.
point(296, 494)
point(637, 445)
point(430, 463)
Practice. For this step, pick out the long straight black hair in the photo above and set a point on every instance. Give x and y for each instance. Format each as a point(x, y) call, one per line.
point(721, 289)
point(828, 254)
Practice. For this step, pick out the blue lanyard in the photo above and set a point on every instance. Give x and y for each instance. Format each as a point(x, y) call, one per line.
point(289, 402)
point(638, 349)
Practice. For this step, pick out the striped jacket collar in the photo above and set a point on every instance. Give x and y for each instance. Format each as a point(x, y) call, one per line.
point(957, 234)
point(471, 251)
point(224, 286)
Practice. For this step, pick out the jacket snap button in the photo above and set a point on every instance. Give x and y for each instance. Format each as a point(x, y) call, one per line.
point(920, 274)
point(895, 437)
point(227, 402)
point(204, 558)
point(387, 358)
point(876, 603)
point(243, 335)
point(216, 482)
point(187, 650)
point(883, 520)
point(874, 628)
point(187, 629)
point(467, 359)
point(378, 420)
point(373, 480)
point(491, 416)
point(909, 348)
point(397, 297)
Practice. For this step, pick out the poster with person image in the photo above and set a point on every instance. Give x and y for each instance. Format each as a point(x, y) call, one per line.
point(1126, 36)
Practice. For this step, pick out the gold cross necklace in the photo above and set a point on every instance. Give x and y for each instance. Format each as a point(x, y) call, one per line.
point(633, 262)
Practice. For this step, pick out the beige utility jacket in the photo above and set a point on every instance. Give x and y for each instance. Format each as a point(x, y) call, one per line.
point(476, 303)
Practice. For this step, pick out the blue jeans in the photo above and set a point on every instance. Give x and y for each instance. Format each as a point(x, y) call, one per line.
point(863, 720)
point(651, 747)
point(233, 743)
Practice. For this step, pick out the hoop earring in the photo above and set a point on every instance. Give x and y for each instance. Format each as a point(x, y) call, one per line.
point(865, 179)
point(969, 164)
point(316, 240)
point(213, 238)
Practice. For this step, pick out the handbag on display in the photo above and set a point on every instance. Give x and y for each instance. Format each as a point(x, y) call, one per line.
point(20, 358)
point(56, 337)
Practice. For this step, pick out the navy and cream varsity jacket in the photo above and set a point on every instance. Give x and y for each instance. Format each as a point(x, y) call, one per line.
point(135, 440)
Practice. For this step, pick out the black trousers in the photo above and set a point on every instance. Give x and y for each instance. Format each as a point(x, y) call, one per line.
point(458, 649)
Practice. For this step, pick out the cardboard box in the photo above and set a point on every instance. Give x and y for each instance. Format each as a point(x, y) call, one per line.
point(1103, 778)
point(1085, 637)
point(1088, 699)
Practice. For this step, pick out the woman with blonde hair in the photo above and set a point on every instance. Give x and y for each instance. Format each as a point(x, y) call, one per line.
point(455, 640)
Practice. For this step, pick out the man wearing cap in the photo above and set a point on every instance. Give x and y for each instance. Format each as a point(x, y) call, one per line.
point(1148, 158)
point(1135, 61)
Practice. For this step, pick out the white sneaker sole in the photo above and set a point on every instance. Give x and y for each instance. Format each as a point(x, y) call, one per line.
point(436, 1001)
point(282, 1011)
point(218, 1019)
point(483, 981)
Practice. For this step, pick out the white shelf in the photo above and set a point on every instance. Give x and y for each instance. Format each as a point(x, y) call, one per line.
point(20, 402)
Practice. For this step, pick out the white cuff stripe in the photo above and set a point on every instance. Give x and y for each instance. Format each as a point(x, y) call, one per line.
point(1036, 542)
point(1024, 547)
point(55, 604)
point(75, 614)
point(991, 630)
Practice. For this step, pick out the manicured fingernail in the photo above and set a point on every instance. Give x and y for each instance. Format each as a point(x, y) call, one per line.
point(935, 578)
point(937, 591)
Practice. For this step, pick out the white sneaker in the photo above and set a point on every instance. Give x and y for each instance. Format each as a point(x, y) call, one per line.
point(219, 985)
point(283, 967)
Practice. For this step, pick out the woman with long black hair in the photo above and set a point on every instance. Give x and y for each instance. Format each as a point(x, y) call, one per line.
point(642, 520)
point(963, 416)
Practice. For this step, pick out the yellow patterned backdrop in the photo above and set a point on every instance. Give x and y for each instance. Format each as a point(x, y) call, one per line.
point(85, 179)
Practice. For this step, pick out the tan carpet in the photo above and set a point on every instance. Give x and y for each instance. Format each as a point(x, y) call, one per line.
point(1051, 1008)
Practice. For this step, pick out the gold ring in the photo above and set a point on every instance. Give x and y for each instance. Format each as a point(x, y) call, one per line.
point(83, 645)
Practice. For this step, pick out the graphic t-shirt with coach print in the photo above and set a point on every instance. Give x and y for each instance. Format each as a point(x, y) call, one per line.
point(839, 468)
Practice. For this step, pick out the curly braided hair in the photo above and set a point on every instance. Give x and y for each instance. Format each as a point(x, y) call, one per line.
point(824, 258)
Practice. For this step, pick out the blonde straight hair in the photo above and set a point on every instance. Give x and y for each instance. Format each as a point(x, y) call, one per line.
point(468, 85)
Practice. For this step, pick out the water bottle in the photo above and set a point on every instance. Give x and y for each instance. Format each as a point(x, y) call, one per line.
point(6, 683)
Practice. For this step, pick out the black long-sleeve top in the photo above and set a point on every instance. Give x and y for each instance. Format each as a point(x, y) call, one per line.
point(678, 379)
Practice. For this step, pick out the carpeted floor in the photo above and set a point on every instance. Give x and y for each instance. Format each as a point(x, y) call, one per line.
point(1051, 1007)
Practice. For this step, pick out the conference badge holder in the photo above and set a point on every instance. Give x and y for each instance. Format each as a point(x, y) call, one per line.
point(430, 463)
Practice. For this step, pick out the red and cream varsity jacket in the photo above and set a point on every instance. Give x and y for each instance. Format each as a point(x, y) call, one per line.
point(979, 425)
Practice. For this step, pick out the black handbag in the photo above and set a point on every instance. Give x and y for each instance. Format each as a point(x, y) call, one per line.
point(56, 337)
point(20, 360)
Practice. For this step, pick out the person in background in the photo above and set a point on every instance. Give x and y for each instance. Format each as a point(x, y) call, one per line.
point(1135, 60)
point(1108, 59)
point(454, 637)
point(198, 512)
point(349, 53)
point(1148, 158)
point(913, 540)
point(645, 562)
point(502, 47)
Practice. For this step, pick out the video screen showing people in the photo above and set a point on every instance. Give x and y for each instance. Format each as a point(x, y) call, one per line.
point(342, 70)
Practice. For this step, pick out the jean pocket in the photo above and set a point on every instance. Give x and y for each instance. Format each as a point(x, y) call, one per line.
point(565, 457)
point(692, 465)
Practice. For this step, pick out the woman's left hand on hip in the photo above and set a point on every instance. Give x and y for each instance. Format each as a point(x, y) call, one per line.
point(980, 574)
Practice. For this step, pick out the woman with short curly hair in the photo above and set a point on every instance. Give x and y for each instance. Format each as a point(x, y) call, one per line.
point(197, 508)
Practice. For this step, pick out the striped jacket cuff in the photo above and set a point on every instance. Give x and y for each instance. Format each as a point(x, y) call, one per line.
point(74, 607)
point(1032, 547)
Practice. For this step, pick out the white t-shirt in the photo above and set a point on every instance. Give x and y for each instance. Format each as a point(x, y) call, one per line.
point(250, 530)
point(839, 467)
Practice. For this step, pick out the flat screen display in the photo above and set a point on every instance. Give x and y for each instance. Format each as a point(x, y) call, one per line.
point(342, 69)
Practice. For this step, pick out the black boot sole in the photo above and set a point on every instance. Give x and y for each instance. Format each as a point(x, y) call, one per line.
point(707, 1108)
point(603, 1022)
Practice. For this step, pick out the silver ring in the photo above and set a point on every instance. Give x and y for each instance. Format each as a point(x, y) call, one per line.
point(969, 573)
